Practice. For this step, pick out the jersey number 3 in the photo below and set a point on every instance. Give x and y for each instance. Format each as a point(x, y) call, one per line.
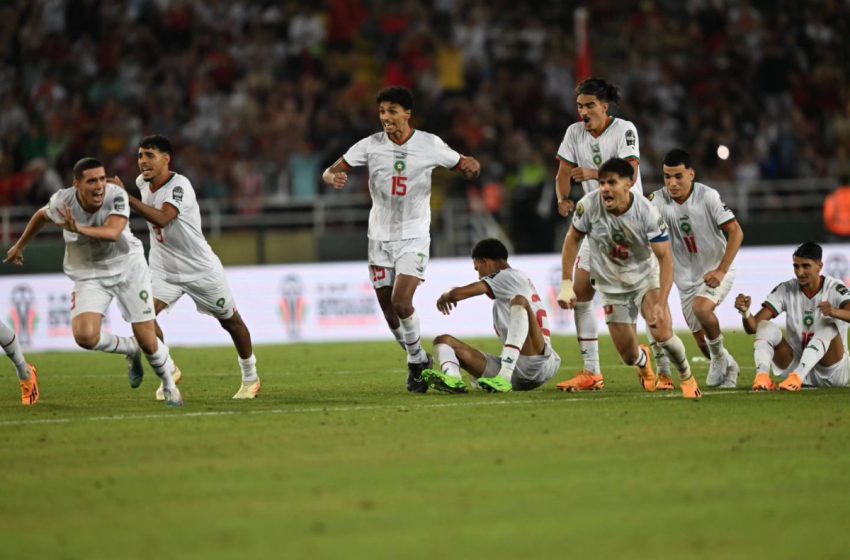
point(399, 185)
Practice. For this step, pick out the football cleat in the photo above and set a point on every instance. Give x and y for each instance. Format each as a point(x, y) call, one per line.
point(172, 397)
point(177, 375)
point(582, 381)
point(792, 383)
point(730, 380)
point(248, 391)
point(440, 381)
point(645, 374)
point(763, 382)
point(135, 369)
point(664, 383)
point(496, 384)
point(415, 383)
point(717, 371)
point(29, 388)
point(690, 389)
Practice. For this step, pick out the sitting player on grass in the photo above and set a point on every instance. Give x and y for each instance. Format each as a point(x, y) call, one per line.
point(528, 360)
point(817, 311)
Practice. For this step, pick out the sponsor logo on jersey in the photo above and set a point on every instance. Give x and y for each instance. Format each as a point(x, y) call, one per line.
point(630, 138)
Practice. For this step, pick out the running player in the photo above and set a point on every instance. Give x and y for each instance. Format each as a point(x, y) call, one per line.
point(527, 361)
point(817, 311)
point(400, 161)
point(596, 138)
point(705, 240)
point(625, 231)
point(181, 260)
point(27, 374)
point(105, 261)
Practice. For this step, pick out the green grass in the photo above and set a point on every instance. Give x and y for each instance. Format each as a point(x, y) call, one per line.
point(336, 460)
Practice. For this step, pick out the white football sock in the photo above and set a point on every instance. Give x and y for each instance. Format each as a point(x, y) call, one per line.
point(447, 359)
point(768, 336)
point(398, 333)
point(112, 344)
point(825, 332)
point(642, 359)
point(662, 362)
point(675, 350)
point(162, 364)
point(715, 348)
point(514, 341)
point(249, 369)
point(587, 332)
point(10, 345)
point(412, 339)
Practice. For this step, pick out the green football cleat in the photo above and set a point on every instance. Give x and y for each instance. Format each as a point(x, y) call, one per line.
point(495, 384)
point(440, 381)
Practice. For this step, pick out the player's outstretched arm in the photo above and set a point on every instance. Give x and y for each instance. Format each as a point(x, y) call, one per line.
point(468, 167)
point(563, 186)
point(15, 254)
point(448, 301)
point(734, 239)
point(569, 252)
point(159, 218)
point(337, 174)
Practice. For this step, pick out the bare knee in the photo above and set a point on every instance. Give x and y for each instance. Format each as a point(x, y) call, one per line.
point(444, 339)
point(232, 323)
point(703, 309)
point(403, 307)
point(87, 340)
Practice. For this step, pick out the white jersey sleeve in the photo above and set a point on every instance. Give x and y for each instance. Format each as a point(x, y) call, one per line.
point(654, 225)
point(628, 145)
point(567, 149)
point(358, 154)
point(444, 156)
point(719, 211)
point(504, 286)
point(56, 201)
point(777, 298)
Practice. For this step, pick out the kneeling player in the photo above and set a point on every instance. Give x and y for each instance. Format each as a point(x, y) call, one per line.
point(817, 311)
point(528, 360)
point(625, 231)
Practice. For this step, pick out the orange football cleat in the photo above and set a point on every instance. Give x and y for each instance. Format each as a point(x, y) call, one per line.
point(763, 382)
point(646, 373)
point(583, 381)
point(690, 389)
point(792, 383)
point(664, 383)
point(29, 389)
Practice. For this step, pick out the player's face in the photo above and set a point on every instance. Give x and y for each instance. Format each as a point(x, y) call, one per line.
point(91, 188)
point(153, 164)
point(807, 272)
point(615, 192)
point(484, 267)
point(394, 118)
point(679, 180)
point(592, 111)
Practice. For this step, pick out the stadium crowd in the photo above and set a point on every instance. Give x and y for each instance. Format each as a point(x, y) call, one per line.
point(260, 96)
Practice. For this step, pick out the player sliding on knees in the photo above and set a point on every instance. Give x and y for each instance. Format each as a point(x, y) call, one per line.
point(625, 231)
point(527, 361)
point(817, 311)
point(181, 260)
point(400, 161)
point(105, 261)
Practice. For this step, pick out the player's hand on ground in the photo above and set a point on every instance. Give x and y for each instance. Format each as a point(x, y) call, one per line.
point(742, 303)
point(567, 295)
point(565, 207)
point(116, 181)
point(582, 174)
point(469, 167)
point(339, 179)
point(70, 222)
point(826, 309)
point(15, 255)
point(445, 304)
point(714, 278)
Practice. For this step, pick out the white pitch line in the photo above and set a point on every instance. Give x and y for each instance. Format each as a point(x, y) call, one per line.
point(354, 408)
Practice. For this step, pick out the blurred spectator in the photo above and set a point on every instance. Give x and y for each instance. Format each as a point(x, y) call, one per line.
point(836, 210)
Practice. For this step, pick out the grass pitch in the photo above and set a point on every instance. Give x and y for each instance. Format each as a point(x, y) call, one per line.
point(336, 460)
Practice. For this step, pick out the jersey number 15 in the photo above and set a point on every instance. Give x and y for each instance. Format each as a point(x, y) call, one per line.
point(399, 185)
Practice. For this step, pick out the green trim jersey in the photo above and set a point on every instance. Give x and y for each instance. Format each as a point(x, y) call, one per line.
point(694, 225)
point(802, 312)
point(87, 257)
point(503, 286)
point(621, 254)
point(400, 181)
point(580, 149)
point(179, 252)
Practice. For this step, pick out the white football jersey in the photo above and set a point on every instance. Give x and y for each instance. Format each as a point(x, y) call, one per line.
point(694, 226)
point(179, 251)
point(400, 181)
point(580, 149)
point(504, 286)
point(801, 312)
point(86, 257)
point(621, 254)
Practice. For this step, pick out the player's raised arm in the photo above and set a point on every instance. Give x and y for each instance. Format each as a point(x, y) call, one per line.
point(563, 186)
point(569, 252)
point(337, 174)
point(15, 254)
point(449, 299)
point(748, 320)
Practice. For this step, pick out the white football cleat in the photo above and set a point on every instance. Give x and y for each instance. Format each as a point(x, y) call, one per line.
point(248, 391)
point(716, 372)
point(730, 380)
point(176, 375)
point(173, 398)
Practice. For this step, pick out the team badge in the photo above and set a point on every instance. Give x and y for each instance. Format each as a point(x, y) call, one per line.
point(580, 210)
point(631, 139)
point(177, 194)
point(120, 204)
